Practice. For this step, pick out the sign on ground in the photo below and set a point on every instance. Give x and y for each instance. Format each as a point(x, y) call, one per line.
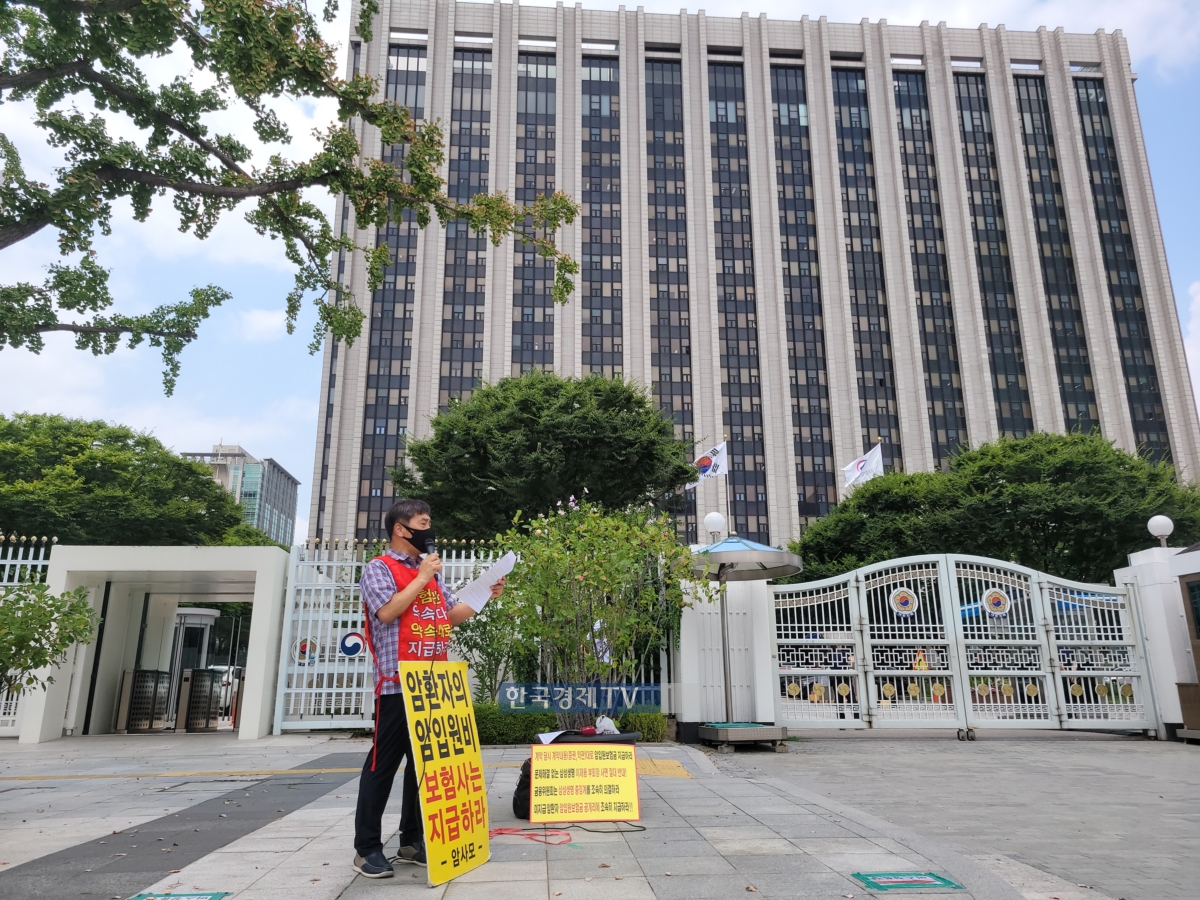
point(441, 726)
point(891, 881)
point(584, 783)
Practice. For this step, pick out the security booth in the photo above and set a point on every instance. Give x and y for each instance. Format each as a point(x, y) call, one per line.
point(163, 658)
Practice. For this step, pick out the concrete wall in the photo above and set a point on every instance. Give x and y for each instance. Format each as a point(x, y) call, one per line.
point(1155, 575)
point(698, 678)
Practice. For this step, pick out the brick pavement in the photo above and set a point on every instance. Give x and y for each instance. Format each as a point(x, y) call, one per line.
point(790, 826)
point(1121, 815)
point(712, 835)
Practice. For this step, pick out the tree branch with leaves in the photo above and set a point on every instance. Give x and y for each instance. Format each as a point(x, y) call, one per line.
point(57, 53)
point(37, 629)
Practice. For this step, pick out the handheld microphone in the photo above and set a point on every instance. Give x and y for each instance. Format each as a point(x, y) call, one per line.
point(430, 546)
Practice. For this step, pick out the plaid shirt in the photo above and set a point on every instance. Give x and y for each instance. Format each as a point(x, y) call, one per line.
point(378, 587)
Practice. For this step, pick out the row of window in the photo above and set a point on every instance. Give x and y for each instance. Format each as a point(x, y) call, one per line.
point(601, 278)
point(670, 303)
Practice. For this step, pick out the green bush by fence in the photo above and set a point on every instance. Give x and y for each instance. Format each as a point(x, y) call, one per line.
point(496, 727)
point(653, 726)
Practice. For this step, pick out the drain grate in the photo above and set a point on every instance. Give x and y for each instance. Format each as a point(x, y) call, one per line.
point(891, 881)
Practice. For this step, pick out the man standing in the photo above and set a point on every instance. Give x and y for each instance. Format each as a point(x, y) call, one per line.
point(409, 615)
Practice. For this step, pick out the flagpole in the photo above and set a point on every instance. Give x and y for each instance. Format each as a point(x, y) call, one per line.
point(729, 491)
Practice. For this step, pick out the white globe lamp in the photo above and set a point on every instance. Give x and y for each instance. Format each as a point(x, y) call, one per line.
point(1161, 527)
point(714, 524)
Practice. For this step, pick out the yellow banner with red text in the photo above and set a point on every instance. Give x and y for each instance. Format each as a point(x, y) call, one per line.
point(450, 780)
point(584, 783)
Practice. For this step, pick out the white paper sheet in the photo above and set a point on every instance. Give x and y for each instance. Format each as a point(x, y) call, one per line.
point(479, 592)
point(547, 737)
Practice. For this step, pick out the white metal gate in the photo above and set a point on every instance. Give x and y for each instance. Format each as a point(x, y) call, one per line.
point(21, 559)
point(325, 674)
point(959, 642)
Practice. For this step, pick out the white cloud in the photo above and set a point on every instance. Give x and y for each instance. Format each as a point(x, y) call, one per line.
point(259, 325)
point(214, 404)
point(1191, 338)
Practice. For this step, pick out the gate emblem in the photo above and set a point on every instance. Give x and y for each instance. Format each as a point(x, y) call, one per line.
point(904, 602)
point(352, 644)
point(996, 603)
point(304, 651)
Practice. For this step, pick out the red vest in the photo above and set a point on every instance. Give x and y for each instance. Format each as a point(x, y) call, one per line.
point(425, 626)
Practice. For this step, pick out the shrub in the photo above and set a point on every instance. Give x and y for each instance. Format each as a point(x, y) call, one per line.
point(496, 727)
point(652, 725)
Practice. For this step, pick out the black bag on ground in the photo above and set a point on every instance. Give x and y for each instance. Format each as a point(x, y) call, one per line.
point(521, 794)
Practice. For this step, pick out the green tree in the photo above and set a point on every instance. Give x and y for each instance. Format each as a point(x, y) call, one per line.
point(526, 443)
point(598, 593)
point(36, 631)
point(1071, 505)
point(145, 141)
point(243, 535)
point(95, 483)
point(486, 641)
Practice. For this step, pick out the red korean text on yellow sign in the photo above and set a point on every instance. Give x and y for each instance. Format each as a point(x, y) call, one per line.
point(441, 726)
point(584, 783)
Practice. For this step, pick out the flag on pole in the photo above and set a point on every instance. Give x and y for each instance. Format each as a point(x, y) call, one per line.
point(865, 467)
point(711, 464)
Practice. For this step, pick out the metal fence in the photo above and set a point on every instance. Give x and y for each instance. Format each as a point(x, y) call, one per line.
point(325, 675)
point(958, 641)
point(22, 559)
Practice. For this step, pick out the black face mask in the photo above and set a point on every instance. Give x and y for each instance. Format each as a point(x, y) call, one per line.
point(421, 538)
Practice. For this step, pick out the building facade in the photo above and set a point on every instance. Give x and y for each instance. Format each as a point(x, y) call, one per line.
point(805, 237)
point(266, 490)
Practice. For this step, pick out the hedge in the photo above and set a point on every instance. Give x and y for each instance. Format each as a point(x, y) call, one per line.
point(653, 726)
point(496, 727)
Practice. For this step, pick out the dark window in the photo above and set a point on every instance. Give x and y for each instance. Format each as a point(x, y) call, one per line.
point(864, 259)
point(670, 305)
point(812, 431)
point(1010, 389)
point(1058, 271)
point(931, 283)
point(737, 307)
point(1124, 285)
point(600, 275)
point(533, 274)
point(390, 323)
point(1194, 598)
point(464, 288)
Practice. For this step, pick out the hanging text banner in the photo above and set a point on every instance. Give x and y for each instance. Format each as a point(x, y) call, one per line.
point(610, 699)
point(584, 783)
point(441, 726)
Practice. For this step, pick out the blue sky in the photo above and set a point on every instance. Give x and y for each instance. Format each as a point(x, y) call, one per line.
point(247, 382)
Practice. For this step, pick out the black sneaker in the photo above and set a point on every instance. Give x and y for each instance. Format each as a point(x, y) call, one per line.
point(414, 854)
point(375, 865)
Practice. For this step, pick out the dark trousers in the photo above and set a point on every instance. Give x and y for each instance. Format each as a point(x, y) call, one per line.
point(375, 785)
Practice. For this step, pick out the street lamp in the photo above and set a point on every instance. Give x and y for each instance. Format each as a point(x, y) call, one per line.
point(714, 524)
point(1161, 527)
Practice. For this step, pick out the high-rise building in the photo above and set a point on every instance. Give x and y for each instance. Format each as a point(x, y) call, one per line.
point(807, 237)
point(266, 490)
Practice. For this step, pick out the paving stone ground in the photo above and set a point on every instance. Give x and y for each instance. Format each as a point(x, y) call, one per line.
point(791, 826)
point(1119, 814)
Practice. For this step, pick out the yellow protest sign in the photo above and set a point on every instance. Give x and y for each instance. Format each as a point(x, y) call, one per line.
point(584, 783)
point(445, 742)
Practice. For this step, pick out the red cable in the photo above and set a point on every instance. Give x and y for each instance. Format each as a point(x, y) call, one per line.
point(538, 836)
